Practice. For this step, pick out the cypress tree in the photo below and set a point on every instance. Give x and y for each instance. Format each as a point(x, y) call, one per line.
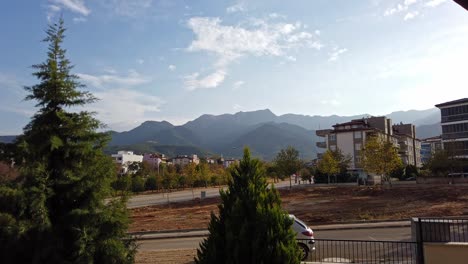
point(63, 217)
point(251, 226)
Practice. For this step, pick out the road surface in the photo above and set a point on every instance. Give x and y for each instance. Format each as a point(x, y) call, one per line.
point(179, 196)
point(374, 234)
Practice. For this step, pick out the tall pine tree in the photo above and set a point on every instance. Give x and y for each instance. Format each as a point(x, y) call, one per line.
point(251, 226)
point(62, 216)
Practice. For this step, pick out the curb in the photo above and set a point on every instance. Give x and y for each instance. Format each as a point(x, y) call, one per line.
point(183, 233)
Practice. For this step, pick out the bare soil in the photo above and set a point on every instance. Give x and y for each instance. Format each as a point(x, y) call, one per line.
point(179, 256)
point(322, 205)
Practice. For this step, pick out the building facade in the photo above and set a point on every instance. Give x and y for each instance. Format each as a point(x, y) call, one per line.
point(184, 160)
point(154, 159)
point(429, 146)
point(125, 158)
point(454, 121)
point(350, 138)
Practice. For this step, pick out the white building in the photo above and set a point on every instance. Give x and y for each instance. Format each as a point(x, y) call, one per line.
point(454, 121)
point(229, 162)
point(154, 159)
point(125, 158)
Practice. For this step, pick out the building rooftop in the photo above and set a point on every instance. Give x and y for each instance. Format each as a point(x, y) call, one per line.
point(459, 101)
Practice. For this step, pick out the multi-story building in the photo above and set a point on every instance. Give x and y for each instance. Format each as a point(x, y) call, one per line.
point(125, 158)
point(229, 162)
point(409, 146)
point(184, 160)
point(350, 138)
point(454, 121)
point(154, 159)
point(429, 146)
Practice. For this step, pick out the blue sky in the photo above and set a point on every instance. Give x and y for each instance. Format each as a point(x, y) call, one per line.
point(175, 60)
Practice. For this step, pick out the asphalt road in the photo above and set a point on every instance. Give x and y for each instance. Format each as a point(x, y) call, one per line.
point(179, 196)
point(374, 234)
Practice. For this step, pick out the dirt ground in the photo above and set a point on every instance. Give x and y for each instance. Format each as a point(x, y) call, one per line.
point(178, 256)
point(314, 205)
point(322, 205)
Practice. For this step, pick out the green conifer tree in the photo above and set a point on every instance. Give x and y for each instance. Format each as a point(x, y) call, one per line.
point(64, 217)
point(251, 226)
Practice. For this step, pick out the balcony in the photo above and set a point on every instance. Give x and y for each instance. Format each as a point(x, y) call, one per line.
point(452, 118)
point(321, 144)
point(455, 135)
point(323, 132)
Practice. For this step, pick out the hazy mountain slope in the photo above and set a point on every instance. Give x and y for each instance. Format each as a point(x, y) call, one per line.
point(7, 139)
point(144, 132)
point(426, 131)
point(268, 139)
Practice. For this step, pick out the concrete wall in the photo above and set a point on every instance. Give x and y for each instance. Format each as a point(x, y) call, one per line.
point(345, 142)
point(445, 253)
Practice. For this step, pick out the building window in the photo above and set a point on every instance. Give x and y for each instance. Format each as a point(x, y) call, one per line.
point(357, 134)
point(333, 147)
point(357, 146)
point(332, 137)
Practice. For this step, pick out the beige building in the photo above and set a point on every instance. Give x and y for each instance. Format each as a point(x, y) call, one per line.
point(350, 138)
point(185, 160)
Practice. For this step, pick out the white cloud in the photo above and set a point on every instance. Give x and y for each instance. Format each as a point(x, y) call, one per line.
point(335, 54)
point(332, 102)
point(124, 108)
point(99, 81)
point(237, 85)
point(237, 106)
point(256, 38)
point(193, 81)
point(434, 3)
point(411, 15)
point(239, 7)
point(79, 19)
point(172, 67)
point(140, 61)
point(410, 2)
point(129, 8)
point(76, 6)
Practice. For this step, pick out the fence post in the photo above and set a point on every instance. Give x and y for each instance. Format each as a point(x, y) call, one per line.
point(420, 243)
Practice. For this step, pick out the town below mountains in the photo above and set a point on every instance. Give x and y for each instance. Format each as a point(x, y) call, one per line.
point(263, 131)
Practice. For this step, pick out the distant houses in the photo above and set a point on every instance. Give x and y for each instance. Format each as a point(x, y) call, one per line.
point(454, 121)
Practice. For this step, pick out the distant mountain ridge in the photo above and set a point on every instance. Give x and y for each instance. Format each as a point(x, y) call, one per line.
point(263, 131)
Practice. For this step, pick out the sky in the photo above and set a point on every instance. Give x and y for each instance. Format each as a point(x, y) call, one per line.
point(175, 60)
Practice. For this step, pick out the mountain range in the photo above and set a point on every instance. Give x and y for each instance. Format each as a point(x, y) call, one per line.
point(263, 131)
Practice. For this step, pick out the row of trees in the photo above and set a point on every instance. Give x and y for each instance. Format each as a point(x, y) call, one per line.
point(144, 177)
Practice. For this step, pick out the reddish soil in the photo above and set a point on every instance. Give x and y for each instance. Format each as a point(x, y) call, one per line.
point(322, 205)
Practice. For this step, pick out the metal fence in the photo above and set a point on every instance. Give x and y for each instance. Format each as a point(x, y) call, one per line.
point(360, 251)
point(441, 230)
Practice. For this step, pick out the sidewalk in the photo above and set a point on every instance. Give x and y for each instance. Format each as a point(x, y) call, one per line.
point(202, 233)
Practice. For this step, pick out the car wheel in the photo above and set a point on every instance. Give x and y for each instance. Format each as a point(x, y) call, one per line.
point(304, 251)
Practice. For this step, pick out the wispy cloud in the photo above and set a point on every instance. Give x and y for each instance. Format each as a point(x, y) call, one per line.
point(172, 67)
point(411, 15)
point(255, 38)
point(332, 102)
point(79, 19)
point(128, 8)
point(124, 108)
point(237, 85)
point(194, 81)
point(140, 61)
point(76, 6)
point(434, 3)
point(238, 7)
point(411, 8)
point(335, 53)
point(99, 81)
point(237, 107)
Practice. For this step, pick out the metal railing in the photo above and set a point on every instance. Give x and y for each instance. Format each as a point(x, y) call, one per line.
point(361, 251)
point(443, 229)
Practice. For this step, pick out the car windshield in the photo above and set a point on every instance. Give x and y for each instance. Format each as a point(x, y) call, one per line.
point(300, 223)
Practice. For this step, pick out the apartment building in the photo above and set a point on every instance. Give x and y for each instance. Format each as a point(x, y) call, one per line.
point(154, 159)
point(429, 146)
point(125, 158)
point(409, 146)
point(350, 138)
point(454, 121)
point(184, 160)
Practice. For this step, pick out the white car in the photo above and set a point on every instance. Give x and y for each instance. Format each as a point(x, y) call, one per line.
point(304, 236)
